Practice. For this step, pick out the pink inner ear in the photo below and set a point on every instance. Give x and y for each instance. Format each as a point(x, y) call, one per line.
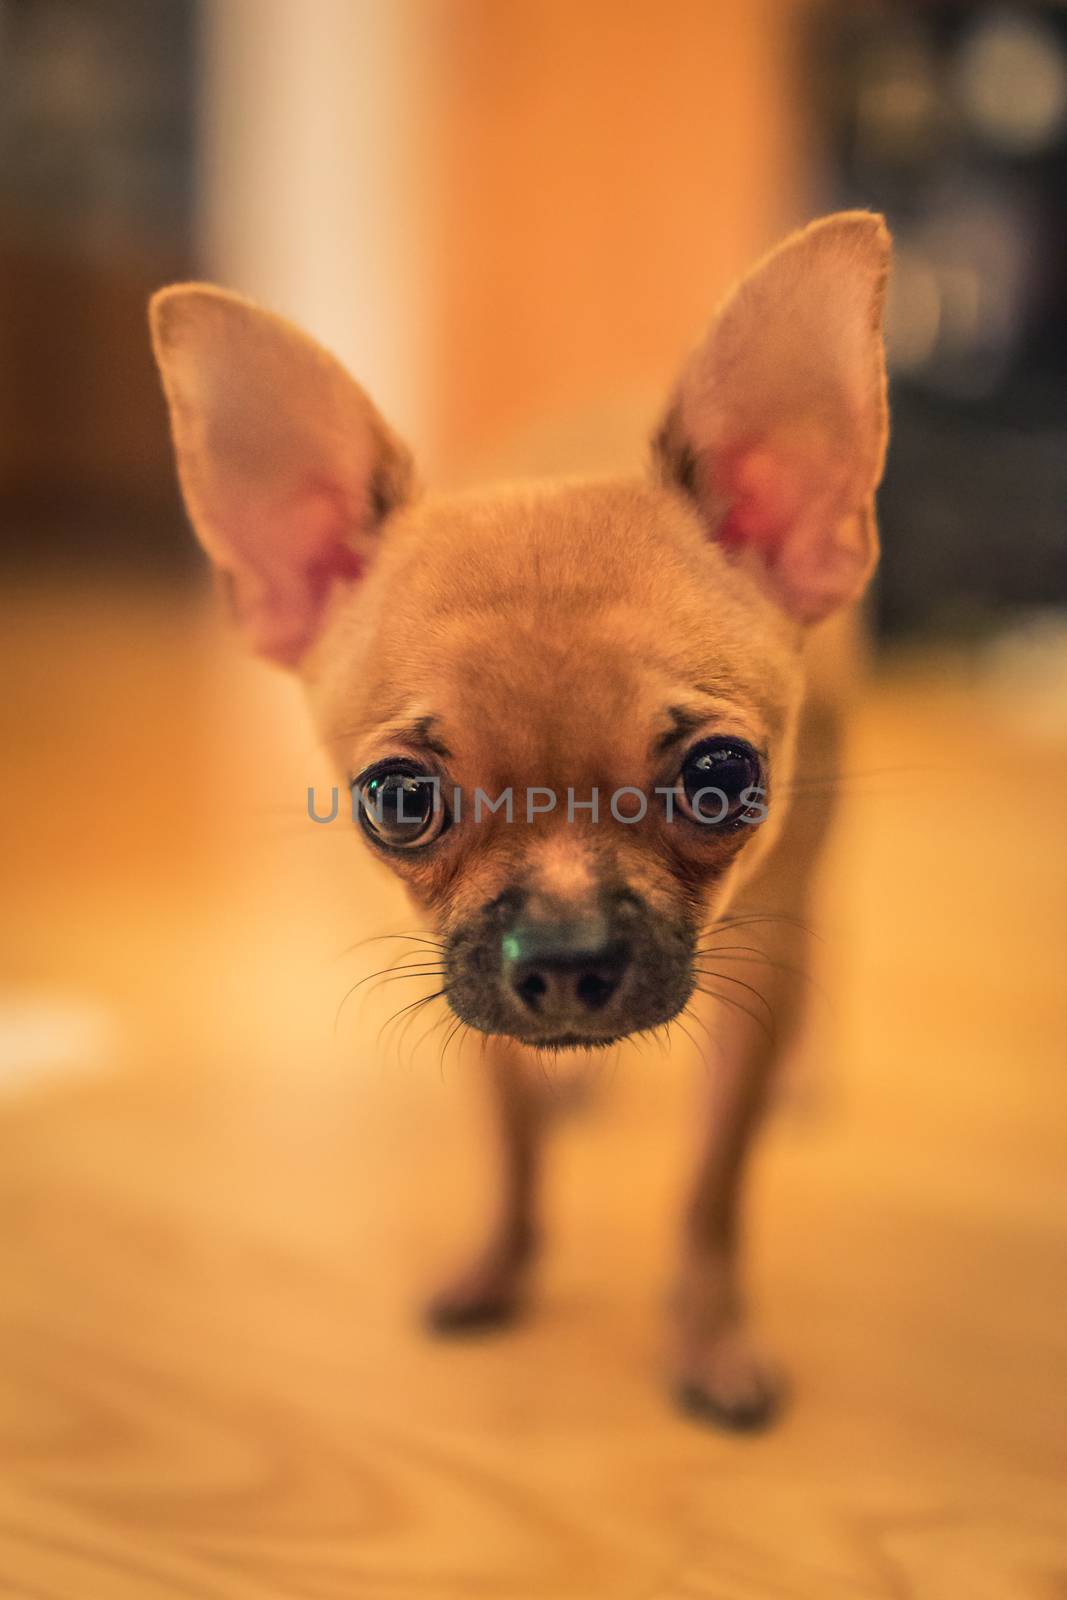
point(790, 503)
point(764, 494)
point(286, 558)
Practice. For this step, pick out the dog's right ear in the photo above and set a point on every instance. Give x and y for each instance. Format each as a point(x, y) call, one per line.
point(286, 467)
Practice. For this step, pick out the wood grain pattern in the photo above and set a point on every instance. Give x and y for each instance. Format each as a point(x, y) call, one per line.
point(211, 1381)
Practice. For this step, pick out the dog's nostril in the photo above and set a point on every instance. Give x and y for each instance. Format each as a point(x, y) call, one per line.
point(531, 989)
point(595, 989)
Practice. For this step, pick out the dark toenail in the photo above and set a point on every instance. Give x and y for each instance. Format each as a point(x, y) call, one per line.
point(455, 1321)
point(746, 1417)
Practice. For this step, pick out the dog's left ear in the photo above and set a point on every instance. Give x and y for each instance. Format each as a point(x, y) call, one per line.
point(777, 428)
point(287, 469)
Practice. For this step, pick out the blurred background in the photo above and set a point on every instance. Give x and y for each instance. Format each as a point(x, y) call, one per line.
point(222, 1186)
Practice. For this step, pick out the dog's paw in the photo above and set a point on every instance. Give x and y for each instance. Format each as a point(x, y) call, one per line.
point(480, 1300)
point(729, 1385)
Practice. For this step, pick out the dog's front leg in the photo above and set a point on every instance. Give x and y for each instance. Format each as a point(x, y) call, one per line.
point(720, 1374)
point(488, 1291)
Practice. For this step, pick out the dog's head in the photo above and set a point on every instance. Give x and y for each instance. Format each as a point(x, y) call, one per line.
point(566, 712)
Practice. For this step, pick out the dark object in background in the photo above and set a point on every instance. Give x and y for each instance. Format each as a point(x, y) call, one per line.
point(953, 121)
point(96, 173)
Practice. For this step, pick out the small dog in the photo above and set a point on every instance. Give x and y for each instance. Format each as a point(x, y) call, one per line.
point(573, 715)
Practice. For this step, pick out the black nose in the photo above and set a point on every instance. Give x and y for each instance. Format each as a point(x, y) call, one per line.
point(563, 971)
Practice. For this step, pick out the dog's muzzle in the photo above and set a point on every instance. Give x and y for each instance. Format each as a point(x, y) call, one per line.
point(528, 969)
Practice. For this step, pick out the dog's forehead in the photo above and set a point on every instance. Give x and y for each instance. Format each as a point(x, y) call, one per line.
point(546, 702)
point(567, 544)
point(532, 621)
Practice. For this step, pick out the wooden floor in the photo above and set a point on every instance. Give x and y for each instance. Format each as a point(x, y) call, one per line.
point(218, 1218)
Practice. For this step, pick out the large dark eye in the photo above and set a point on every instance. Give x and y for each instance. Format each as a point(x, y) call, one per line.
point(720, 784)
point(400, 806)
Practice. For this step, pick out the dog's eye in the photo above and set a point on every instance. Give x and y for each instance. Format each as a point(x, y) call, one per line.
point(721, 784)
point(400, 806)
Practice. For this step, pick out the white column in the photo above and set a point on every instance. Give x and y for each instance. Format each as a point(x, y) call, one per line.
point(313, 161)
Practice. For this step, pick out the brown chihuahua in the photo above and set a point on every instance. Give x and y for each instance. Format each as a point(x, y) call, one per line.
point(572, 715)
